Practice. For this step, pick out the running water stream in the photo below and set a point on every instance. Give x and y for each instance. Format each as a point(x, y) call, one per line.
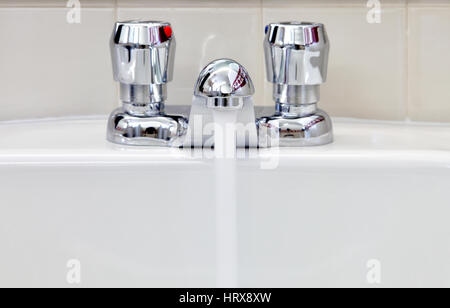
point(226, 207)
point(227, 129)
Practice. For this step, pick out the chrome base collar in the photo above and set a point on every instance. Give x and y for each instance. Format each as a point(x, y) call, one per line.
point(147, 110)
point(295, 111)
point(296, 95)
point(142, 94)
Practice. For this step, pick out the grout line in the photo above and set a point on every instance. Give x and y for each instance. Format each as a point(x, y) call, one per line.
point(261, 76)
point(339, 4)
point(191, 4)
point(408, 86)
point(59, 5)
point(117, 86)
point(328, 5)
point(409, 3)
point(261, 4)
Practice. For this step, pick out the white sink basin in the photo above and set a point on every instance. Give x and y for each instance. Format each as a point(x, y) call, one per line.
point(162, 217)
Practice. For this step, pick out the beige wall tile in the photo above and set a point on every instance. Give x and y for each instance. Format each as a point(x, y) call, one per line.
point(205, 34)
point(367, 68)
point(428, 3)
point(429, 64)
point(52, 68)
point(56, 3)
point(370, 65)
point(189, 3)
point(333, 3)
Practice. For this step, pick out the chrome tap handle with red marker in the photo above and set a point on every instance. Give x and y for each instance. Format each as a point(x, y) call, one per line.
point(143, 56)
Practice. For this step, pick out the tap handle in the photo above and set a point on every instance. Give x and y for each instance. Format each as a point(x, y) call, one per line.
point(296, 53)
point(142, 52)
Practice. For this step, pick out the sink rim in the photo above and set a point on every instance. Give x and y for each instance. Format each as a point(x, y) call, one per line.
point(82, 140)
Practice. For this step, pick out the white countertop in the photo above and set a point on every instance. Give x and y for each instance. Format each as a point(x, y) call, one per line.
point(82, 140)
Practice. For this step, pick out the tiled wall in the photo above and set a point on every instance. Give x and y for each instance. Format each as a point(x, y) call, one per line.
point(394, 70)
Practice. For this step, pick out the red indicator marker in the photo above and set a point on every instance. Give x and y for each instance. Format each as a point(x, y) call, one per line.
point(167, 31)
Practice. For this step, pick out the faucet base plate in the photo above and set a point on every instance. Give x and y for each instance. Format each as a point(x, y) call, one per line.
point(158, 130)
point(295, 131)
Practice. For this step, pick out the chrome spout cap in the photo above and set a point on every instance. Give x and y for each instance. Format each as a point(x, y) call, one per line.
point(296, 53)
point(224, 83)
point(142, 52)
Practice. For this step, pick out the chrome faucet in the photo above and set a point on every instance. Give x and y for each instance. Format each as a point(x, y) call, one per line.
point(225, 88)
point(142, 57)
point(296, 63)
point(296, 57)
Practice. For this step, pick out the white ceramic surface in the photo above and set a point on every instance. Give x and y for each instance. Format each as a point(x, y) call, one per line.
point(147, 217)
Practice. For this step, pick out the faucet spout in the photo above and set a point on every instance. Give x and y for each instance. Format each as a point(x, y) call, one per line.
point(223, 93)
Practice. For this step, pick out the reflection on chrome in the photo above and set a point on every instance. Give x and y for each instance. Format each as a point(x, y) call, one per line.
point(224, 83)
point(142, 57)
point(223, 101)
point(296, 56)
